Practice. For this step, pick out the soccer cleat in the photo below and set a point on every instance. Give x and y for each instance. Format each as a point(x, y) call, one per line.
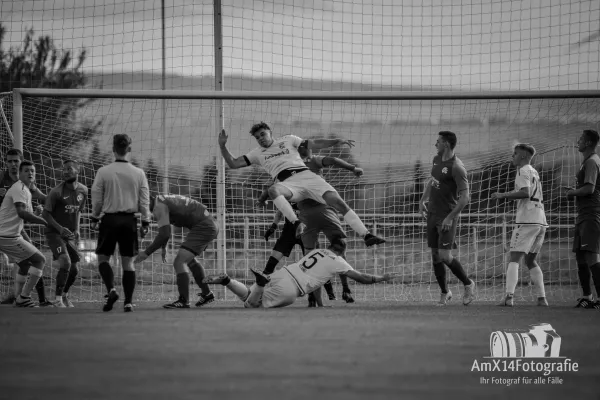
point(595, 305)
point(469, 294)
point(25, 302)
point(9, 299)
point(67, 301)
point(312, 302)
point(111, 299)
point(216, 279)
point(508, 301)
point(542, 302)
point(584, 303)
point(261, 279)
point(46, 303)
point(128, 307)
point(299, 229)
point(371, 240)
point(59, 303)
point(347, 296)
point(445, 298)
point(180, 303)
point(205, 299)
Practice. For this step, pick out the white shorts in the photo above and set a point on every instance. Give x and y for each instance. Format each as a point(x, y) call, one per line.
point(17, 249)
point(527, 238)
point(281, 291)
point(307, 185)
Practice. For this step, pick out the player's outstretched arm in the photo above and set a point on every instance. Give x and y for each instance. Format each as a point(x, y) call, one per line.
point(316, 144)
point(368, 279)
point(338, 162)
point(161, 213)
point(231, 161)
point(37, 194)
point(585, 190)
point(29, 216)
point(524, 193)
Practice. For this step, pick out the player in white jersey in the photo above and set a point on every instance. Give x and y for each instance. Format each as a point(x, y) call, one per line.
point(295, 182)
point(15, 208)
point(285, 285)
point(528, 236)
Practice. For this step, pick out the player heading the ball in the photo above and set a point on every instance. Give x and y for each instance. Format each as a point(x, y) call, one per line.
point(295, 182)
point(284, 286)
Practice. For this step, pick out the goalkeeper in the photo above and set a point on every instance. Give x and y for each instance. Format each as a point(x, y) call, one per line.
point(183, 212)
point(284, 286)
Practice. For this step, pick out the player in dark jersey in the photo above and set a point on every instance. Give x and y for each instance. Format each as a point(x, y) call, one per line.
point(183, 212)
point(7, 179)
point(445, 195)
point(62, 212)
point(318, 218)
point(586, 240)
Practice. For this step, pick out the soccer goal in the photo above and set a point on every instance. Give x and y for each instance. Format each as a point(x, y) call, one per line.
point(175, 140)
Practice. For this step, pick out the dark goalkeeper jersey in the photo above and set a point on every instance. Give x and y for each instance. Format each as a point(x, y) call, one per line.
point(5, 182)
point(449, 178)
point(588, 207)
point(183, 211)
point(65, 204)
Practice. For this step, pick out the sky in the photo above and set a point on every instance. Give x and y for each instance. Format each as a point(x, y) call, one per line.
point(462, 45)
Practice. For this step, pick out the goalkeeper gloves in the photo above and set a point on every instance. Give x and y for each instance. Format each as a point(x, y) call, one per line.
point(270, 231)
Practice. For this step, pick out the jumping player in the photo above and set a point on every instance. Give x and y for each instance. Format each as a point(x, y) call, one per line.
point(183, 212)
point(296, 182)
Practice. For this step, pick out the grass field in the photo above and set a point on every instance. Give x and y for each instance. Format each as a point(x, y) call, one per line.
point(375, 350)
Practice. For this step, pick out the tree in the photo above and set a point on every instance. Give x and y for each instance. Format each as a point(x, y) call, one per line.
point(52, 128)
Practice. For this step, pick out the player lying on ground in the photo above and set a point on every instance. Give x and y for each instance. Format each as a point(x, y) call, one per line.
point(295, 181)
point(183, 212)
point(16, 208)
point(317, 218)
point(284, 286)
point(586, 235)
point(528, 236)
point(445, 195)
point(9, 177)
point(62, 212)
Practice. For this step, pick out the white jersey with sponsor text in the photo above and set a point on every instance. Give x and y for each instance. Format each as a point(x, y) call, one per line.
point(530, 211)
point(316, 268)
point(282, 154)
point(11, 224)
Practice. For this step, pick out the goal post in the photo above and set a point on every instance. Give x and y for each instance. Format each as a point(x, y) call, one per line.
point(394, 134)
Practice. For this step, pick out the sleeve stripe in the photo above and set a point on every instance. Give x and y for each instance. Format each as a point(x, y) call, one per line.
point(248, 163)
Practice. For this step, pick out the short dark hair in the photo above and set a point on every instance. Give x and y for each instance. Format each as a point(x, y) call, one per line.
point(71, 160)
point(592, 136)
point(25, 163)
point(15, 152)
point(257, 127)
point(527, 147)
point(338, 245)
point(449, 137)
point(121, 143)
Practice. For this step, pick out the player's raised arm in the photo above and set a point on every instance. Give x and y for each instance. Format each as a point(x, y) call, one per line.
point(338, 162)
point(316, 144)
point(232, 162)
point(367, 279)
point(161, 213)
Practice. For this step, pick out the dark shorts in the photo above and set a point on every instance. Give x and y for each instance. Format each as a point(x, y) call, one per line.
point(200, 236)
point(319, 219)
point(60, 246)
point(587, 236)
point(118, 229)
point(436, 239)
point(286, 242)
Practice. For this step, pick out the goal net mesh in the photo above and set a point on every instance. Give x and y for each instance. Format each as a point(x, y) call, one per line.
point(394, 145)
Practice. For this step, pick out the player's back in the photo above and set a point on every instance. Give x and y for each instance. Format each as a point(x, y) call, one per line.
point(316, 268)
point(183, 211)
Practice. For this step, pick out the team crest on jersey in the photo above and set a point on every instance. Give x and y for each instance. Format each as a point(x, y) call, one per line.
point(445, 170)
point(80, 197)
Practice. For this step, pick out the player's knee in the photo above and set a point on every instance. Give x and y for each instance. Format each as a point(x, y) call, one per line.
point(64, 262)
point(274, 191)
point(38, 260)
point(74, 270)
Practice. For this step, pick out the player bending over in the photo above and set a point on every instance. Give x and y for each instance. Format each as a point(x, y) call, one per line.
point(62, 212)
point(284, 286)
point(15, 208)
point(183, 212)
point(445, 195)
point(528, 237)
point(296, 182)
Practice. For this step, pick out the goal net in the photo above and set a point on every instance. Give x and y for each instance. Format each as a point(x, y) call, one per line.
point(394, 145)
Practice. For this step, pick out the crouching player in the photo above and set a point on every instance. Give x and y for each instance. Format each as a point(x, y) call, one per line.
point(62, 211)
point(183, 212)
point(284, 286)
